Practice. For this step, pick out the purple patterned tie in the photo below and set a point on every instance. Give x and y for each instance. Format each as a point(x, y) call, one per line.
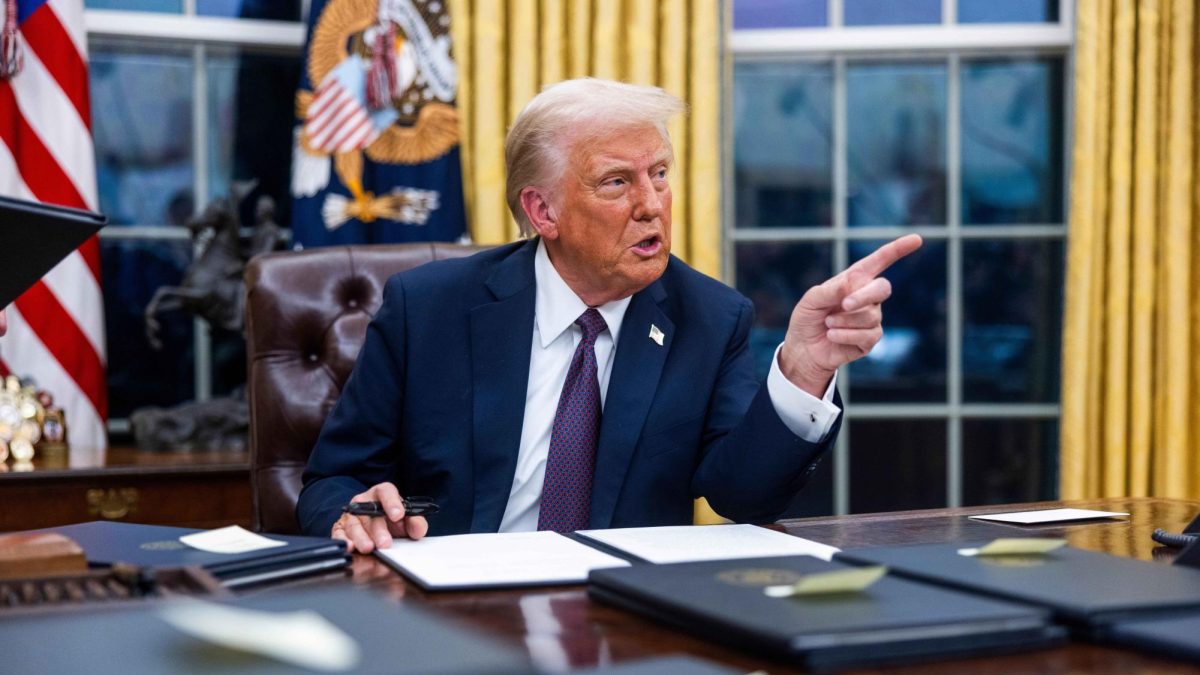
point(567, 491)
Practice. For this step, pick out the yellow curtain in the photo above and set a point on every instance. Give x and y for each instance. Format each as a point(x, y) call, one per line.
point(507, 50)
point(1131, 341)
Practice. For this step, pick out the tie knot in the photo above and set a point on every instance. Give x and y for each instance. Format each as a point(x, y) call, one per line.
point(592, 324)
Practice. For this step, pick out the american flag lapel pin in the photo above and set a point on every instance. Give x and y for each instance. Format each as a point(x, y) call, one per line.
point(656, 335)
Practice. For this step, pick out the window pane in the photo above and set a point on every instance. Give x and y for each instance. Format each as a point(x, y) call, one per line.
point(1012, 141)
point(774, 275)
point(896, 149)
point(897, 465)
point(139, 375)
point(783, 147)
point(779, 13)
point(1009, 460)
point(891, 12)
point(137, 5)
point(1012, 320)
point(278, 10)
point(142, 127)
point(1008, 11)
point(250, 115)
point(909, 363)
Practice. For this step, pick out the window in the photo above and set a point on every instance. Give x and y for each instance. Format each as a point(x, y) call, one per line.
point(189, 98)
point(855, 121)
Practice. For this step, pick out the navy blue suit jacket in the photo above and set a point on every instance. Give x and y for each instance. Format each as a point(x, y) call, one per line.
point(436, 402)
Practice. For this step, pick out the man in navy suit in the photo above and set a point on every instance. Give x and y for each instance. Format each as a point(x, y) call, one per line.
point(584, 378)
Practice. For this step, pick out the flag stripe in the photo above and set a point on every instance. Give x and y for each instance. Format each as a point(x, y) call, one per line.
point(72, 284)
point(42, 174)
point(11, 183)
point(70, 14)
point(339, 102)
point(327, 138)
point(56, 329)
point(53, 326)
point(349, 130)
point(48, 39)
point(344, 105)
point(49, 112)
point(321, 100)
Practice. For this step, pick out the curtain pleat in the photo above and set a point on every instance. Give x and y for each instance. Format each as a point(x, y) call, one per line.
point(1131, 336)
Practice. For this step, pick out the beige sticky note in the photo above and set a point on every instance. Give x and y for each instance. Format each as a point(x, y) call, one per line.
point(300, 638)
point(840, 581)
point(1015, 546)
point(229, 540)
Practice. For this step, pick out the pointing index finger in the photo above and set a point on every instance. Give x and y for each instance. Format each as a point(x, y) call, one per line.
point(882, 258)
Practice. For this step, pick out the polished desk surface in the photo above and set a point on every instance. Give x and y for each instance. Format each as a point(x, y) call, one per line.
point(562, 629)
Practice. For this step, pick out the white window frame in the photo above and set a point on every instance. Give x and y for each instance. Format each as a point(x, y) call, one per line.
point(199, 34)
point(951, 42)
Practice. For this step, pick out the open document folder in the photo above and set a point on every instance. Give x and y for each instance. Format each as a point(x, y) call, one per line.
point(545, 558)
point(34, 237)
point(467, 561)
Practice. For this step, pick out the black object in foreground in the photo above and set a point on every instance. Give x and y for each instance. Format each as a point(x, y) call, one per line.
point(105, 543)
point(413, 506)
point(893, 621)
point(1082, 588)
point(34, 237)
point(394, 638)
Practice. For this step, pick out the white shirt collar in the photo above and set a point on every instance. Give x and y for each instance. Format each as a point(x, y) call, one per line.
point(556, 306)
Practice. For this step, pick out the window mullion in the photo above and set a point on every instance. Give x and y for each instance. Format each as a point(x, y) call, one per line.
point(954, 283)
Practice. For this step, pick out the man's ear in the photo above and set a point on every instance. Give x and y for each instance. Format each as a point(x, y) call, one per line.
point(540, 213)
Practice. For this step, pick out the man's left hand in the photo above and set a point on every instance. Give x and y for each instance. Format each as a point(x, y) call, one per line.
point(840, 320)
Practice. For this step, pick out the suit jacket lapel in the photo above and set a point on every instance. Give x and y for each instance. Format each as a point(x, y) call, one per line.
point(631, 388)
point(501, 333)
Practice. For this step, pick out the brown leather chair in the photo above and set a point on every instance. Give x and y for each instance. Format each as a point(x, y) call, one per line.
point(306, 318)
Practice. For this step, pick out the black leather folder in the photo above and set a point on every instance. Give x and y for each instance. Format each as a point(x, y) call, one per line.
point(1175, 637)
point(34, 237)
point(892, 621)
point(105, 543)
point(393, 638)
point(1082, 588)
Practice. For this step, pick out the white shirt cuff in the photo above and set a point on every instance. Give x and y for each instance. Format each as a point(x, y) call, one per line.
point(805, 415)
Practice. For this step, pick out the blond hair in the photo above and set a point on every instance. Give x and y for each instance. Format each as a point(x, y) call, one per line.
point(536, 150)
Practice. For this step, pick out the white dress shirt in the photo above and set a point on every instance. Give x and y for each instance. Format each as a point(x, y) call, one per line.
point(555, 338)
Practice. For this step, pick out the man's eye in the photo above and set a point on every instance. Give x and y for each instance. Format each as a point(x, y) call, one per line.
point(615, 182)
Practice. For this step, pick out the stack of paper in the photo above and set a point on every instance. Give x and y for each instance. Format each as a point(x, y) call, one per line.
point(689, 543)
point(495, 560)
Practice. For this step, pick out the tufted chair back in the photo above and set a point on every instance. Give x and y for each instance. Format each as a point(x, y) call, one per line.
point(306, 319)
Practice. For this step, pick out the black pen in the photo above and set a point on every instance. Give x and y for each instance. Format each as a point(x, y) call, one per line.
point(413, 506)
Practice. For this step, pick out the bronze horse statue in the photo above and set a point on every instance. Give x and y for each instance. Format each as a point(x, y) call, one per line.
point(213, 287)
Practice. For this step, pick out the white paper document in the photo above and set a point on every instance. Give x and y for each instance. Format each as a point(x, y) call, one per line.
point(688, 543)
point(496, 560)
point(1048, 516)
point(302, 638)
point(232, 539)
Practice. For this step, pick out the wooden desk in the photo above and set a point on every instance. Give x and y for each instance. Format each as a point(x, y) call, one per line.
point(187, 489)
point(561, 629)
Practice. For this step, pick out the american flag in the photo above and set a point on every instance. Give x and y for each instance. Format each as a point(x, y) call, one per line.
point(56, 329)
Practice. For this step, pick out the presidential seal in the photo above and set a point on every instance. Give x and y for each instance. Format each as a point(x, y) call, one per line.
point(758, 577)
point(384, 83)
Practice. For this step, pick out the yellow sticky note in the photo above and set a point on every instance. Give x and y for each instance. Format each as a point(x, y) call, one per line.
point(840, 581)
point(1015, 546)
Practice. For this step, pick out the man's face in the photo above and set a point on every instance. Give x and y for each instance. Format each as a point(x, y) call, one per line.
point(613, 214)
